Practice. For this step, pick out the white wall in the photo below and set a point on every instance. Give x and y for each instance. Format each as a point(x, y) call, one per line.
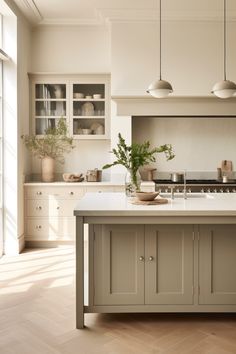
point(192, 54)
point(200, 144)
point(71, 49)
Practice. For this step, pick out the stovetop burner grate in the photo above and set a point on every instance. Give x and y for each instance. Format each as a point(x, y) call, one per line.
point(196, 181)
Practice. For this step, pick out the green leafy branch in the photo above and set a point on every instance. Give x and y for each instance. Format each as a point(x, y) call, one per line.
point(136, 155)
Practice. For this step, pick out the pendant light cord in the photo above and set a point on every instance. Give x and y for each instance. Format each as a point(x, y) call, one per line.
point(160, 35)
point(225, 40)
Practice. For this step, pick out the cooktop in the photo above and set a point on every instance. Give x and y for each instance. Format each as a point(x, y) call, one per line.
point(195, 181)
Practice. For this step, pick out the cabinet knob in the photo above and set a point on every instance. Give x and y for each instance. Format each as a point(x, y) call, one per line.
point(151, 258)
point(58, 207)
point(141, 258)
point(39, 193)
point(39, 208)
point(71, 193)
point(38, 227)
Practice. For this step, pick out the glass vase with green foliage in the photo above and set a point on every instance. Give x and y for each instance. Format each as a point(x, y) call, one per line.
point(50, 147)
point(134, 156)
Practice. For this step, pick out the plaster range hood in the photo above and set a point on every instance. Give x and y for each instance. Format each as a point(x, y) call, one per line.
point(174, 106)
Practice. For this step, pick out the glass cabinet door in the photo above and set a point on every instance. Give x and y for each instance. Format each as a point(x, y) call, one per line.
point(50, 105)
point(89, 109)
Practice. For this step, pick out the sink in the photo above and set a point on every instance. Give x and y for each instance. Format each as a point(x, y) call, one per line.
point(189, 195)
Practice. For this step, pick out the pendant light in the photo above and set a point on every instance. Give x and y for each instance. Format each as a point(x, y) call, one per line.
point(160, 88)
point(225, 88)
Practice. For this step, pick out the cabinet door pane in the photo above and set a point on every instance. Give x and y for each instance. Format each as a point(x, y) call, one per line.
point(169, 264)
point(217, 264)
point(118, 270)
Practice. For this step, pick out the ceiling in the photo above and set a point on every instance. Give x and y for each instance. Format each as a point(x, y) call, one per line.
point(94, 12)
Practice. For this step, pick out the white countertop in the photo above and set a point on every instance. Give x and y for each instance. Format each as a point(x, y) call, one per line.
point(84, 184)
point(197, 204)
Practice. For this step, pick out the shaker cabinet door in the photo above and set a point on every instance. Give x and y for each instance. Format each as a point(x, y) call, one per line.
point(119, 264)
point(217, 264)
point(169, 264)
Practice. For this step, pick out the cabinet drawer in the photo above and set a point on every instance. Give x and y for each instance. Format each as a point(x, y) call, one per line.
point(50, 207)
point(55, 192)
point(50, 228)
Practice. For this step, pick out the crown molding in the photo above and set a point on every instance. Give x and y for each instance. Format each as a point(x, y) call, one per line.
point(31, 11)
point(152, 15)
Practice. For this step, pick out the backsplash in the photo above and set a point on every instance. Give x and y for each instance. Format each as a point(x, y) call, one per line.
point(200, 144)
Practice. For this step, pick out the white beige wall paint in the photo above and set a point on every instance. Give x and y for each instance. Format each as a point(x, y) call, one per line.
point(200, 144)
point(191, 56)
point(87, 155)
point(71, 49)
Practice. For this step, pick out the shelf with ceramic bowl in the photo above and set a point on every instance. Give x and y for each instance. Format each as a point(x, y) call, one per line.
point(89, 99)
point(89, 127)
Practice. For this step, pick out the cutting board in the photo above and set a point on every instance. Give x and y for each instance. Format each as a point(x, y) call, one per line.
point(226, 166)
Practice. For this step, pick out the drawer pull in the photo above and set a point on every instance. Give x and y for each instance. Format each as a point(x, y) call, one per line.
point(39, 193)
point(71, 193)
point(39, 208)
point(38, 227)
point(151, 258)
point(141, 258)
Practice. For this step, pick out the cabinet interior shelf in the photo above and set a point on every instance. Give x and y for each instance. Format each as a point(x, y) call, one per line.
point(89, 117)
point(88, 99)
point(51, 117)
point(50, 99)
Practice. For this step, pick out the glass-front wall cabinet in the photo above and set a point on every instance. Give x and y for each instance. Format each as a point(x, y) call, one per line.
point(89, 109)
point(50, 105)
point(83, 101)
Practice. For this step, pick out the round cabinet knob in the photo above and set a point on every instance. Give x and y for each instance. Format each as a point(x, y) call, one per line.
point(39, 193)
point(151, 258)
point(71, 193)
point(39, 208)
point(58, 207)
point(141, 258)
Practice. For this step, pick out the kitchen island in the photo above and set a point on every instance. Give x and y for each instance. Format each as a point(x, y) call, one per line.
point(175, 257)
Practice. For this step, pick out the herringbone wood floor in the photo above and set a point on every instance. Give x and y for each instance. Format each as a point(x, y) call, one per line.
point(37, 316)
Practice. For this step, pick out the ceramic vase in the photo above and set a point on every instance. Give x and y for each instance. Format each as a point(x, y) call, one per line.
point(48, 169)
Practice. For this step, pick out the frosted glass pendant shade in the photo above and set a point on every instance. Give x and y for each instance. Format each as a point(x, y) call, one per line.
point(160, 89)
point(224, 89)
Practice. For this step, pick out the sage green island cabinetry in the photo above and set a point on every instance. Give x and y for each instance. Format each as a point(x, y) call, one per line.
point(175, 257)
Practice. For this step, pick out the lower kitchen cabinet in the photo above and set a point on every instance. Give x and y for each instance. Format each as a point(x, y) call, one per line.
point(217, 264)
point(137, 264)
point(49, 210)
point(169, 264)
point(190, 267)
point(119, 264)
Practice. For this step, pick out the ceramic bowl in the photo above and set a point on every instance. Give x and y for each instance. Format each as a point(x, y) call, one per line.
point(78, 95)
point(97, 96)
point(87, 131)
point(146, 196)
point(71, 177)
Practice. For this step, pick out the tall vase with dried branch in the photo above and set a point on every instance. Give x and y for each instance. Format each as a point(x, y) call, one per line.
point(50, 148)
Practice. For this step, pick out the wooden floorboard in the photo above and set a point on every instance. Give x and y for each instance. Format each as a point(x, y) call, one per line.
point(37, 316)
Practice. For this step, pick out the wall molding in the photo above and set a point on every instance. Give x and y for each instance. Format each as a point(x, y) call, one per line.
point(31, 11)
